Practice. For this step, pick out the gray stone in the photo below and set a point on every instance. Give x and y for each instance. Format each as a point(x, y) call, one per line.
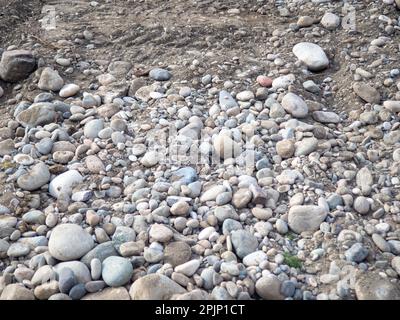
point(243, 242)
point(18, 249)
point(92, 128)
point(356, 253)
point(50, 80)
point(101, 252)
point(366, 92)
point(269, 288)
point(77, 291)
point(160, 74)
point(79, 269)
point(225, 212)
point(326, 117)
point(35, 178)
point(330, 21)
point(306, 218)
point(295, 105)
point(305, 146)
point(16, 291)
point(116, 271)
point(69, 242)
point(94, 286)
point(361, 205)
point(37, 114)
point(154, 287)
point(230, 225)
point(16, 65)
point(66, 280)
point(370, 286)
point(226, 101)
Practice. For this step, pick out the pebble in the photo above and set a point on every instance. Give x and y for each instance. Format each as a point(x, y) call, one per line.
point(330, 21)
point(312, 55)
point(69, 242)
point(356, 253)
point(62, 184)
point(161, 233)
point(154, 287)
point(69, 90)
point(295, 105)
point(50, 80)
point(269, 288)
point(306, 217)
point(116, 271)
point(243, 242)
point(35, 178)
point(366, 92)
point(160, 74)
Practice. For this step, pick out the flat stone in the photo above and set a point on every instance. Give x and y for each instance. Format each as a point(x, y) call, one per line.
point(305, 146)
point(188, 268)
point(225, 212)
point(37, 114)
point(306, 218)
point(18, 249)
point(366, 92)
point(212, 193)
point(255, 258)
point(325, 117)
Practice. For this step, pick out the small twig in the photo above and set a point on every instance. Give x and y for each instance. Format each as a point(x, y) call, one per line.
point(46, 43)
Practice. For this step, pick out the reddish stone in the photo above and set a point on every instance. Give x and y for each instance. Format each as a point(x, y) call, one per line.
point(264, 81)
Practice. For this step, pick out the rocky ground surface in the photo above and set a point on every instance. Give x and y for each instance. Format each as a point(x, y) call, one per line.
point(200, 150)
